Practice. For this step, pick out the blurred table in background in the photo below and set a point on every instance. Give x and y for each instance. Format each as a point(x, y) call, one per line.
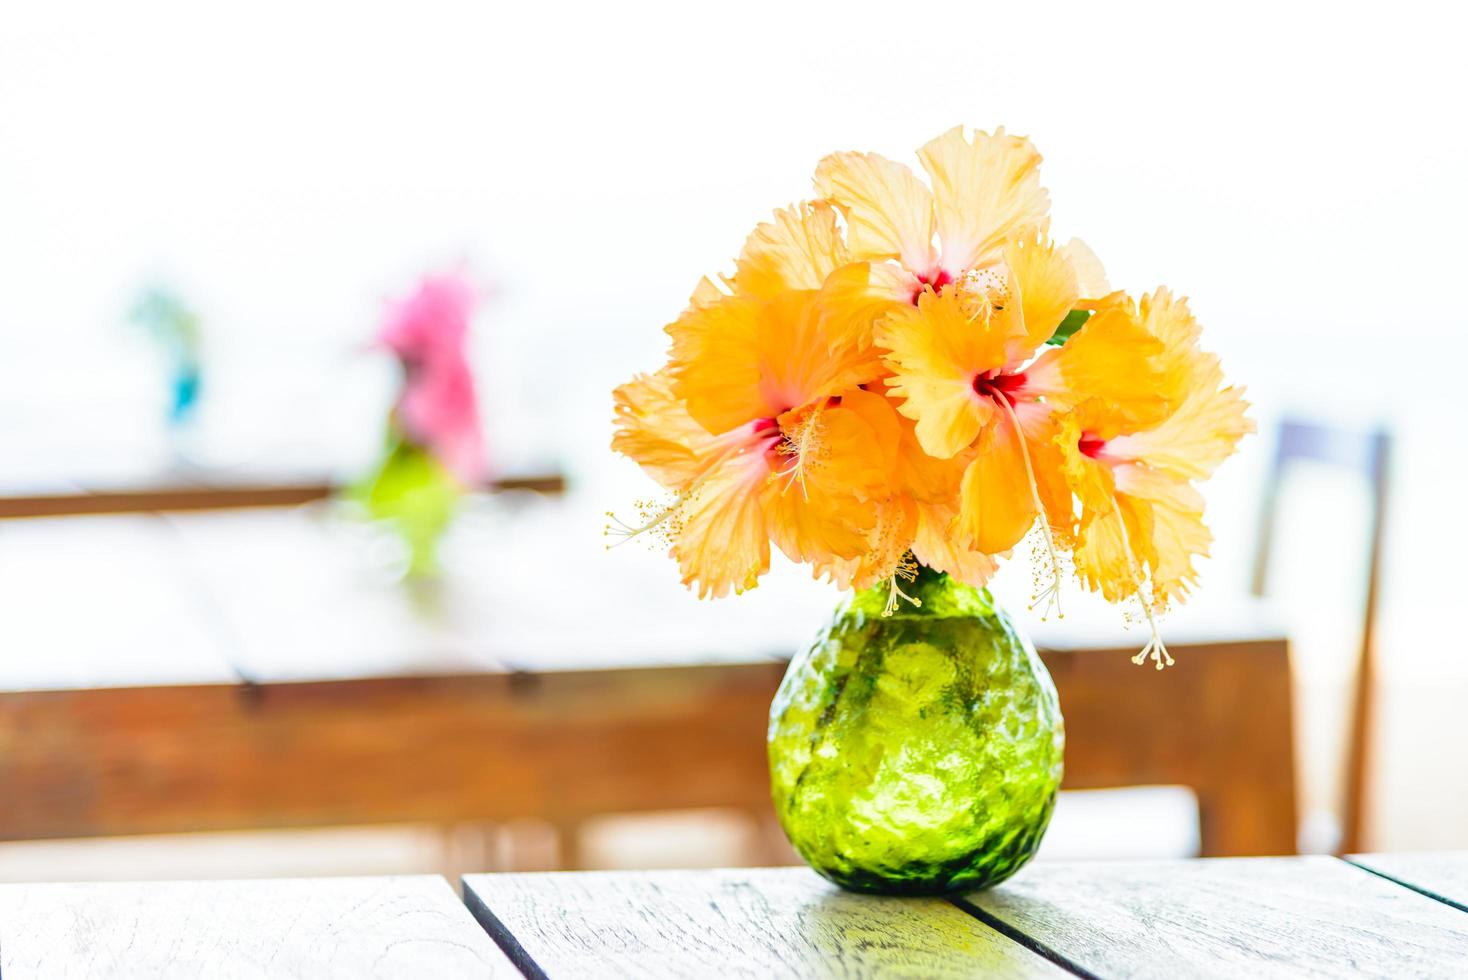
point(263, 668)
point(190, 489)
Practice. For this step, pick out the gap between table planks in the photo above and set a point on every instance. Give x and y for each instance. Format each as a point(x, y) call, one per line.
point(1441, 876)
point(784, 922)
point(1260, 917)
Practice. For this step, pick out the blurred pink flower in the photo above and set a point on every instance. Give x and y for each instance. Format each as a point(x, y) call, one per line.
point(437, 408)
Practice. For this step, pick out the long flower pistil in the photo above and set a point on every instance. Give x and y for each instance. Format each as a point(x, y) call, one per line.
point(661, 519)
point(802, 442)
point(1050, 594)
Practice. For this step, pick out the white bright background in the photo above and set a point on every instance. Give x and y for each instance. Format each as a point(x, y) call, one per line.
point(1296, 169)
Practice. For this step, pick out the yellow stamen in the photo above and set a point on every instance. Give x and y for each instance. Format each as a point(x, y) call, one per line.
point(659, 519)
point(1050, 595)
point(802, 444)
point(982, 293)
point(907, 568)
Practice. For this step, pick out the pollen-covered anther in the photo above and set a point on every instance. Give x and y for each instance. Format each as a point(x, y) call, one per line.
point(1048, 568)
point(907, 569)
point(1155, 648)
point(888, 554)
point(982, 293)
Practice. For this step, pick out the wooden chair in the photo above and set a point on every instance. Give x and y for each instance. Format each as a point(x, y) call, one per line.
point(1367, 453)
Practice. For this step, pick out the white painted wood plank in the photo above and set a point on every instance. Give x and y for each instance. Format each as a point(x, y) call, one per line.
point(1231, 917)
point(410, 927)
point(1443, 875)
point(783, 922)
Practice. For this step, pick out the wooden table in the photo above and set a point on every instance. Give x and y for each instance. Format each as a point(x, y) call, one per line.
point(197, 672)
point(1374, 916)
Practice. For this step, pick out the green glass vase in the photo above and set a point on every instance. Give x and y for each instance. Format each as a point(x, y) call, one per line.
point(917, 753)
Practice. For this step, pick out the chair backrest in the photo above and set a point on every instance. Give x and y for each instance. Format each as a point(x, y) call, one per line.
point(1368, 453)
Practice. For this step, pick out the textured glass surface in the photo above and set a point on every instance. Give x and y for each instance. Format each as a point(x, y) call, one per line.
point(918, 753)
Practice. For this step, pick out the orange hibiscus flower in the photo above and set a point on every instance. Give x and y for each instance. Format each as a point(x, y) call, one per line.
point(1133, 471)
point(748, 428)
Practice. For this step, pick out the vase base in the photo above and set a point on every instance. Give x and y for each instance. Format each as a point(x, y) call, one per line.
point(956, 878)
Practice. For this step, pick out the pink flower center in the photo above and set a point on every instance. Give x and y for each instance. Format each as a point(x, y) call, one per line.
point(1006, 386)
point(1091, 445)
point(937, 280)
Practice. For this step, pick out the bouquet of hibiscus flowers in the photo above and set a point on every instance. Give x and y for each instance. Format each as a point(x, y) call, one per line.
point(900, 373)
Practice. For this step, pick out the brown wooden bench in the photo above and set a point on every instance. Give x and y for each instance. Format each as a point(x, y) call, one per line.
point(250, 669)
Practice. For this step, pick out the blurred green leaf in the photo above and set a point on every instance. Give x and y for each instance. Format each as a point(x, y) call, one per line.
point(1073, 321)
point(413, 491)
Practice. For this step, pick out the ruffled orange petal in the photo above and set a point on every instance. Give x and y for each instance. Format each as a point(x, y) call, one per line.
point(707, 291)
point(985, 192)
point(1114, 533)
point(936, 547)
point(1112, 359)
point(996, 504)
point(1047, 290)
point(1192, 441)
point(856, 297)
point(720, 534)
point(926, 478)
point(1103, 561)
point(875, 444)
point(1185, 367)
point(742, 359)
point(1048, 464)
point(887, 545)
point(889, 212)
point(935, 351)
point(796, 250)
point(1176, 532)
point(1168, 318)
point(654, 429)
point(798, 359)
point(818, 527)
point(1205, 421)
point(716, 360)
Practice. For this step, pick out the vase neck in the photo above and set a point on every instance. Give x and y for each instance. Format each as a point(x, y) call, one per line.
point(942, 595)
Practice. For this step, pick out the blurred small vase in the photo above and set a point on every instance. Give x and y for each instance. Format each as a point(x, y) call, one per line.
point(918, 753)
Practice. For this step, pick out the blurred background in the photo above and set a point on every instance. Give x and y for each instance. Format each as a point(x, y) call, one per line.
point(190, 686)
